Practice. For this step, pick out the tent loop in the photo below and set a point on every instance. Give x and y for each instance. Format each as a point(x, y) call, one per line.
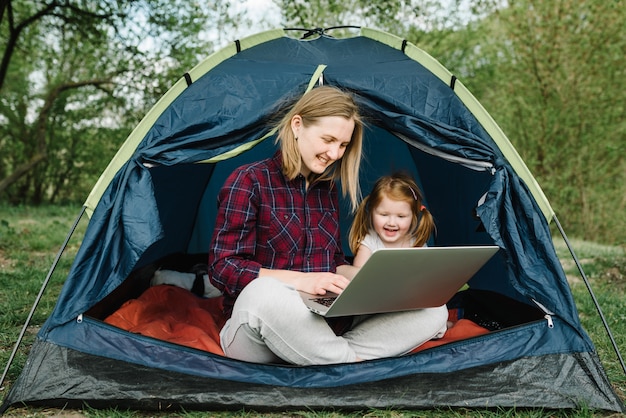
point(311, 32)
point(320, 31)
point(317, 77)
point(452, 81)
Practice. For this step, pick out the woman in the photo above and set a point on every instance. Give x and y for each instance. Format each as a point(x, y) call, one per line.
point(277, 232)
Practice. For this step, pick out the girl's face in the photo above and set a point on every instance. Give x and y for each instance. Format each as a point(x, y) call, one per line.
point(322, 143)
point(392, 222)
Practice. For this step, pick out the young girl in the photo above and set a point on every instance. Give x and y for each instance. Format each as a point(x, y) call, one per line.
point(392, 216)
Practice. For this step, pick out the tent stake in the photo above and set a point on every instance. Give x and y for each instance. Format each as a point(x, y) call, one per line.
point(40, 295)
point(593, 297)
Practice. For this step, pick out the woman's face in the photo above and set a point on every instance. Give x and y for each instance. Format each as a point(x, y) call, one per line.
point(322, 143)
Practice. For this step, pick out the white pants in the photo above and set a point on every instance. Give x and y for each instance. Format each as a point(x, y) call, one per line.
point(270, 324)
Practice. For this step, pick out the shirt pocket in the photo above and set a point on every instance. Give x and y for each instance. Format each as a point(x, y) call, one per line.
point(329, 231)
point(284, 233)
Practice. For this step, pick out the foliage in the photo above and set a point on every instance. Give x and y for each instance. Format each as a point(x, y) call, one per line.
point(77, 76)
point(552, 74)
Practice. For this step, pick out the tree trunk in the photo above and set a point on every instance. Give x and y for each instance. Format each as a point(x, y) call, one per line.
point(22, 170)
point(41, 125)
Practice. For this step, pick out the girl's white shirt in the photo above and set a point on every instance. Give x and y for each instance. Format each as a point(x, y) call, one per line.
point(373, 241)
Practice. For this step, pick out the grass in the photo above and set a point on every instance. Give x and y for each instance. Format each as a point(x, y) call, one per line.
point(30, 239)
point(605, 268)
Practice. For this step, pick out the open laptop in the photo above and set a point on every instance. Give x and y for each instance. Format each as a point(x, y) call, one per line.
point(400, 279)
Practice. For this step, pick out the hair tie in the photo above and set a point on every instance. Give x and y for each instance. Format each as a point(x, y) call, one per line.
point(422, 208)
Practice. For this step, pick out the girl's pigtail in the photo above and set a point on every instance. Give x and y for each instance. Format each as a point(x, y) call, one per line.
point(425, 227)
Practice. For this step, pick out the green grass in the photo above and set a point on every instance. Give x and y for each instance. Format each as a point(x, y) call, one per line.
point(605, 268)
point(30, 239)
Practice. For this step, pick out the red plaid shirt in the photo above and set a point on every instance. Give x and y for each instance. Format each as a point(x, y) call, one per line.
point(265, 220)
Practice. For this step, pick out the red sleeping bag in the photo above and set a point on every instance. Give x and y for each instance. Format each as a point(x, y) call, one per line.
point(176, 315)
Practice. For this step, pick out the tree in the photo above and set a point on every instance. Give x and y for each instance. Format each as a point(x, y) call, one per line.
point(559, 93)
point(64, 59)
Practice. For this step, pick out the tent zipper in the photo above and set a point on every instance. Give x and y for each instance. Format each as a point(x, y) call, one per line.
point(547, 313)
point(466, 162)
point(549, 319)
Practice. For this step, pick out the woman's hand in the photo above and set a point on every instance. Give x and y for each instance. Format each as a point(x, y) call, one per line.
point(314, 283)
point(321, 283)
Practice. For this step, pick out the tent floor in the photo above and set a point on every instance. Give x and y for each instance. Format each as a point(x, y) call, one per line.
point(68, 378)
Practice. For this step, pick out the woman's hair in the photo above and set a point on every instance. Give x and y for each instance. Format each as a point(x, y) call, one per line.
point(397, 186)
point(318, 103)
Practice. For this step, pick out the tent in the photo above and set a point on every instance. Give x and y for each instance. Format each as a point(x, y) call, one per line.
point(155, 203)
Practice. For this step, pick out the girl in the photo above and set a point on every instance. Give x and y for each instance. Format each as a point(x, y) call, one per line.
point(393, 215)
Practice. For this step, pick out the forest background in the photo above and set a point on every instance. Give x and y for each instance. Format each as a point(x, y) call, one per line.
point(76, 76)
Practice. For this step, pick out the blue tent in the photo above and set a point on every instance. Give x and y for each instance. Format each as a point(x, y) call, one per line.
point(157, 198)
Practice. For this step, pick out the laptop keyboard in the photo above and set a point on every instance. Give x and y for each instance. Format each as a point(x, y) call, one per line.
point(324, 301)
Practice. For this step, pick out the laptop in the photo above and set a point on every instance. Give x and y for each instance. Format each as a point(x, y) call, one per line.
point(400, 279)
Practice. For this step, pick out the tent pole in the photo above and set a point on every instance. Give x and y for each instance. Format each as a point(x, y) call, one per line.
point(593, 297)
point(40, 295)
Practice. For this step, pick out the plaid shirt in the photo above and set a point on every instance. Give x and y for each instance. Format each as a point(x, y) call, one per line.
point(265, 220)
